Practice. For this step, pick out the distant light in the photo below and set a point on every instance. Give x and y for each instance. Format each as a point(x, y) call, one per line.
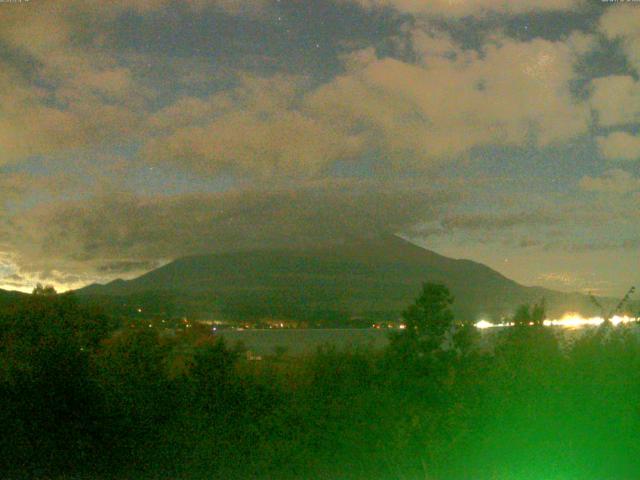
point(624, 319)
point(568, 320)
point(576, 320)
point(484, 324)
point(402, 326)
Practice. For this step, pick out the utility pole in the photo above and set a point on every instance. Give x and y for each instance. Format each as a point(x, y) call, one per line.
point(607, 316)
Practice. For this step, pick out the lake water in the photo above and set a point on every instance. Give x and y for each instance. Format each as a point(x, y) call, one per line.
point(300, 341)
point(303, 341)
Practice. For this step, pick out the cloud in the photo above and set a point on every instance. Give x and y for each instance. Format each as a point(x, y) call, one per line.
point(463, 8)
point(120, 267)
point(254, 130)
point(622, 22)
point(501, 221)
point(574, 281)
point(407, 113)
point(281, 138)
point(62, 88)
point(15, 186)
point(12, 185)
point(613, 181)
point(118, 232)
point(626, 244)
point(616, 99)
point(445, 105)
point(115, 7)
point(236, 7)
point(59, 89)
point(551, 226)
point(620, 146)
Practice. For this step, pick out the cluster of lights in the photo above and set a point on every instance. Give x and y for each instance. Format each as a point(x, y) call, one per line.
point(568, 320)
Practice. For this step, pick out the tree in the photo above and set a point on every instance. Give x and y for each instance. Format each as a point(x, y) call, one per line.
point(527, 315)
point(48, 400)
point(429, 322)
point(539, 312)
point(522, 317)
point(44, 291)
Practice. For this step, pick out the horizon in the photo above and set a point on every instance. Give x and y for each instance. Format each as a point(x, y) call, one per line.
point(63, 289)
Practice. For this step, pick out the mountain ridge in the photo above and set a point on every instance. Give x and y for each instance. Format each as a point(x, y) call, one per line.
point(368, 278)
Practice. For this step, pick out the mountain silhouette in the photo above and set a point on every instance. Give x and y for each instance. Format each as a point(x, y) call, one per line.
point(368, 279)
point(7, 297)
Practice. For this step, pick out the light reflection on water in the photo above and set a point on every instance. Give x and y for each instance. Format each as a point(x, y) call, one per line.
point(569, 320)
point(303, 341)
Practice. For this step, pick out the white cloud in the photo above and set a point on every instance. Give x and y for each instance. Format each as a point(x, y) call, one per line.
point(446, 105)
point(412, 115)
point(255, 130)
point(114, 7)
point(613, 181)
point(88, 98)
point(616, 99)
point(623, 22)
point(463, 8)
point(620, 146)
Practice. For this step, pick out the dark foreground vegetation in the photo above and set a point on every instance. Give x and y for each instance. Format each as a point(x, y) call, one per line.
point(84, 397)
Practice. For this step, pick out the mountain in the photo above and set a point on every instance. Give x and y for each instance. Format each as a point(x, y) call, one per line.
point(366, 279)
point(7, 297)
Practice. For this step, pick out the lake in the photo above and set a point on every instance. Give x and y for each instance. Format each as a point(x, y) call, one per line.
point(303, 341)
point(300, 341)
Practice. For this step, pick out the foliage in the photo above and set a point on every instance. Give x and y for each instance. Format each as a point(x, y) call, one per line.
point(82, 398)
point(48, 398)
point(427, 322)
point(44, 291)
point(526, 315)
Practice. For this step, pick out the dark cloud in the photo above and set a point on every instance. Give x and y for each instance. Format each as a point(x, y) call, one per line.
point(99, 233)
point(14, 278)
point(490, 221)
point(125, 267)
point(627, 244)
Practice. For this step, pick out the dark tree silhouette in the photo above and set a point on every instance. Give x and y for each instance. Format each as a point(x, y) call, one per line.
point(44, 290)
point(526, 314)
point(522, 317)
point(429, 323)
point(539, 312)
point(430, 317)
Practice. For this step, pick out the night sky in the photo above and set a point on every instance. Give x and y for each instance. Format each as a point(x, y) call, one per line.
point(135, 132)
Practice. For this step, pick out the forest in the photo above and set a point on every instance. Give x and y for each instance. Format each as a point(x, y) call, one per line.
point(84, 395)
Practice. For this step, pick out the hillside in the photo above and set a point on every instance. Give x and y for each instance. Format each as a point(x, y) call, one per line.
point(370, 279)
point(8, 297)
